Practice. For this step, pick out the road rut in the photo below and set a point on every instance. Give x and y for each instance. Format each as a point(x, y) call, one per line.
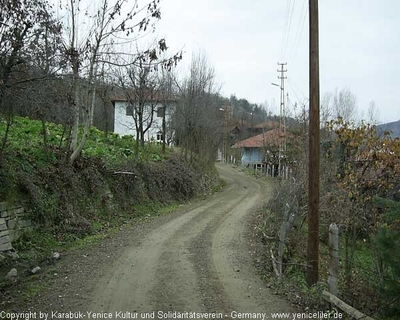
point(197, 262)
point(198, 259)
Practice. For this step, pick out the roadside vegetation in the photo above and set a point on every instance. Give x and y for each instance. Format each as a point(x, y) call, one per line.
point(56, 88)
point(360, 184)
point(79, 182)
point(77, 204)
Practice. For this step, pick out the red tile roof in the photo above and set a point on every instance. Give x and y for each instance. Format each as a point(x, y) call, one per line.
point(269, 138)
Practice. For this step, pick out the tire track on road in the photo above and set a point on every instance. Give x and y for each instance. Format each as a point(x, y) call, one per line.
point(198, 261)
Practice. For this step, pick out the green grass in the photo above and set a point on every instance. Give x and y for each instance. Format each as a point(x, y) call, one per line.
point(41, 243)
point(363, 256)
point(363, 260)
point(26, 154)
point(154, 209)
point(32, 290)
point(31, 170)
point(218, 187)
point(37, 244)
point(26, 147)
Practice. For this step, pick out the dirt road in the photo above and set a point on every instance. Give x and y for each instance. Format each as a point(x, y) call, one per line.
point(195, 260)
point(199, 261)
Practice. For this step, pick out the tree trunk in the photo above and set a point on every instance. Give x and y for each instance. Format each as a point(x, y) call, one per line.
point(164, 128)
point(137, 147)
point(88, 122)
point(79, 148)
point(141, 131)
point(77, 102)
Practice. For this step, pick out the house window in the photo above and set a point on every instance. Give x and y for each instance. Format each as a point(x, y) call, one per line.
point(129, 110)
point(160, 136)
point(160, 112)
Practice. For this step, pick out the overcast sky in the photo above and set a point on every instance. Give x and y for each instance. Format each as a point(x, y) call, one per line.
point(244, 40)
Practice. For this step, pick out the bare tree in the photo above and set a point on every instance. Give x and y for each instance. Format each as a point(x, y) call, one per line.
point(339, 104)
point(344, 104)
point(168, 90)
point(141, 89)
point(112, 20)
point(197, 125)
point(373, 113)
point(26, 28)
point(326, 112)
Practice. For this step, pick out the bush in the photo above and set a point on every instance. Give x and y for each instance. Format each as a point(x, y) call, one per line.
point(105, 183)
point(387, 241)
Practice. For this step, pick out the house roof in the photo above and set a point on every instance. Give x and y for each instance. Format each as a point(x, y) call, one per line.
point(156, 96)
point(269, 138)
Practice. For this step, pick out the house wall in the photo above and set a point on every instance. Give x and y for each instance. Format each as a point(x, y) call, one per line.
point(125, 125)
point(219, 155)
point(251, 155)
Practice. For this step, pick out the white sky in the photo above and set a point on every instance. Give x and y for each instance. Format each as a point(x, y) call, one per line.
point(244, 40)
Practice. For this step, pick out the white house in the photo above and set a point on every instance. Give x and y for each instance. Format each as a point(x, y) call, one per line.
point(125, 112)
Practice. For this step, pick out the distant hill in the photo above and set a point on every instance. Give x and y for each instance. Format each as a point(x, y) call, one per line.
point(391, 126)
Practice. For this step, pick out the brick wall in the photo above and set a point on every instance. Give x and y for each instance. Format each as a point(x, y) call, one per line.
point(14, 220)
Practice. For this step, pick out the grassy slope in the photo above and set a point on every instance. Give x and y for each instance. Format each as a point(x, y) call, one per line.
point(83, 200)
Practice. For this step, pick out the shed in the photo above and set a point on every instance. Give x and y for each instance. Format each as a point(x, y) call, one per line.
point(255, 149)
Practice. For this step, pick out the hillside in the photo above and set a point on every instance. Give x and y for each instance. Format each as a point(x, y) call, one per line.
point(106, 185)
point(394, 127)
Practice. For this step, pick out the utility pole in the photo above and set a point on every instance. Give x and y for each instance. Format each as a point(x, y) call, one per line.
point(226, 117)
point(225, 140)
point(282, 120)
point(314, 149)
point(282, 86)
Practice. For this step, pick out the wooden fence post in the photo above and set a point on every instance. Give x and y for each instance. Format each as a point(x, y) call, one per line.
point(287, 222)
point(333, 259)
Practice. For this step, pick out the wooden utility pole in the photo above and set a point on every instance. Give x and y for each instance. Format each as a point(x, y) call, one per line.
point(314, 149)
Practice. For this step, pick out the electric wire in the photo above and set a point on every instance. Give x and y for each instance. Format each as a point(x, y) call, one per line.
point(292, 38)
point(303, 18)
point(296, 90)
point(289, 28)
point(285, 27)
point(299, 31)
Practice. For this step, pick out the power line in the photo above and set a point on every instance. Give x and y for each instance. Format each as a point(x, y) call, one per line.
point(285, 26)
point(289, 27)
point(300, 27)
point(297, 90)
point(294, 91)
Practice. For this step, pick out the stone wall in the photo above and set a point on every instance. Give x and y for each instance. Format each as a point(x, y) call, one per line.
point(14, 220)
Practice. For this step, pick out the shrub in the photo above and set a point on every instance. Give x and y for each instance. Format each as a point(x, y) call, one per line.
point(387, 241)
